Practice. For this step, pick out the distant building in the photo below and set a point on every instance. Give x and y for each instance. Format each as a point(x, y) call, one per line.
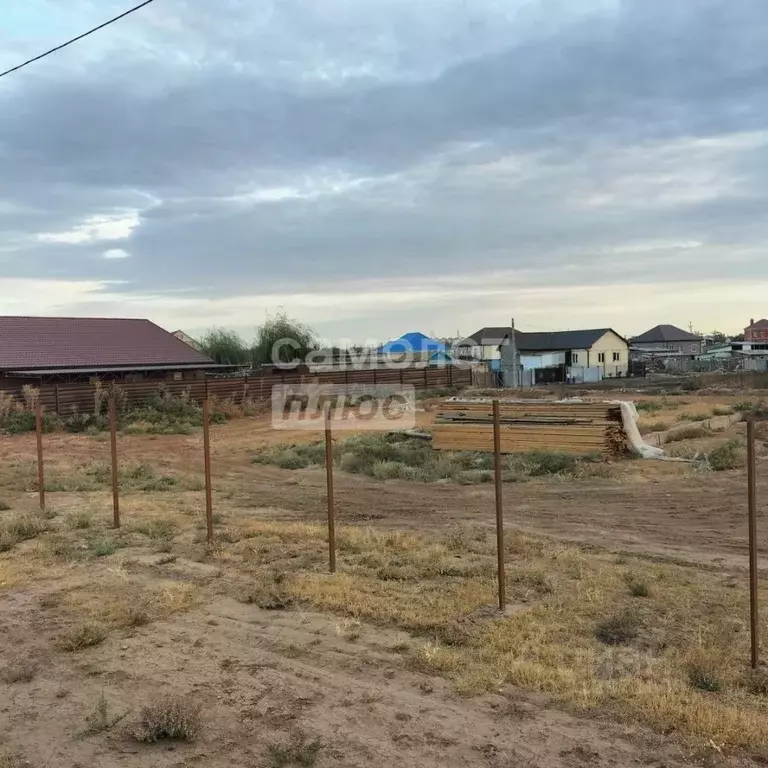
point(664, 340)
point(601, 348)
point(411, 346)
point(756, 331)
point(40, 349)
point(187, 339)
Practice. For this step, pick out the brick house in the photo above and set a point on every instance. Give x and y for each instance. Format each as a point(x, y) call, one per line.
point(756, 331)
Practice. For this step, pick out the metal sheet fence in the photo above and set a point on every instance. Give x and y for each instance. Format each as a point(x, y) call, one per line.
point(64, 397)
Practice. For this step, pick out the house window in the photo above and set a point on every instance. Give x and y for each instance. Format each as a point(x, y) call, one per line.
point(601, 357)
point(178, 375)
point(616, 357)
point(575, 358)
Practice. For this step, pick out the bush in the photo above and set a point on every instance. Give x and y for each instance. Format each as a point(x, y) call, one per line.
point(649, 406)
point(17, 528)
point(702, 674)
point(726, 456)
point(18, 672)
point(757, 681)
point(687, 433)
point(82, 636)
point(395, 455)
point(171, 717)
point(654, 426)
point(638, 588)
point(297, 751)
point(618, 629)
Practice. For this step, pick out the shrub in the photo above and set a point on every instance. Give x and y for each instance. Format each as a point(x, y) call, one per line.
point(104, 547)
point(702, 674)
point(17, 528)
point(687, 433)
point(4, 506)
point(618, 629)
point(79, 520)
point(726, 456)
point(100, 720)
point(655, 426)
point(18, 672)
point(638, 588)
point(82, 636)
point(170, 717)
point(649, 406)
point(757, 681)
point(297, 751)
point(722, 410)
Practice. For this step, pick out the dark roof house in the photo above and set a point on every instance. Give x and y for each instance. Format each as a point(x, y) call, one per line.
point(554, 341)
point(663, 334)
point(666, 340)
point(35, 346)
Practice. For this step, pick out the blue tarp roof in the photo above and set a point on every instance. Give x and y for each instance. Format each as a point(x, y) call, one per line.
point(412, 342)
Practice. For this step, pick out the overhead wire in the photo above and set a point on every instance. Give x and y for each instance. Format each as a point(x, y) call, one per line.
point(75, 39)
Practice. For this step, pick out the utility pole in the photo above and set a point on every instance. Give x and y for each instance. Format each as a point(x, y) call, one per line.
point(515, 366)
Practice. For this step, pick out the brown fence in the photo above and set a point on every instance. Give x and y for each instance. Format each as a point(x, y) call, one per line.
point(62, 397)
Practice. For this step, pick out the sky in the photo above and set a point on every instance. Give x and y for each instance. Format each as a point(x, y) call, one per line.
point(373, 167)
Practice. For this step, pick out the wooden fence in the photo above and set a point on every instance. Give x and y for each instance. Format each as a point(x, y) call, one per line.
point(63, 397)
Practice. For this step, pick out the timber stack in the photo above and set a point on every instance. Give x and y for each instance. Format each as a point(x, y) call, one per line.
point(580, 428)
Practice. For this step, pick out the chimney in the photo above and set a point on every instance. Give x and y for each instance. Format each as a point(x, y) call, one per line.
point(752, 321)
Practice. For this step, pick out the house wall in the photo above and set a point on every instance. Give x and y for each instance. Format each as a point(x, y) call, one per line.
point(681, 347)
point(756, 333)
point(609, 345)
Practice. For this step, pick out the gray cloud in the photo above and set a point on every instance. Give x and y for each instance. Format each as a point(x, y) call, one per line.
point(287, 148)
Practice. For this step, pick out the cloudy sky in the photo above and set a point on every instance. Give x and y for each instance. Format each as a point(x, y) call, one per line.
point(379, 166)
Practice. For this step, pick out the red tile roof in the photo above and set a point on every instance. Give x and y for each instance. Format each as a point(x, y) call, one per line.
point(71, 342)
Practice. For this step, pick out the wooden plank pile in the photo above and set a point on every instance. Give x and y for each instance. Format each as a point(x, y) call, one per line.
point(578, 428)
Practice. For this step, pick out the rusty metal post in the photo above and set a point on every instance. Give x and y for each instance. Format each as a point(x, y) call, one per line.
point(115, 474)
point(40, 473)
point(207, 454)
point(499, 507)
point(329, 487)
point(752, 498)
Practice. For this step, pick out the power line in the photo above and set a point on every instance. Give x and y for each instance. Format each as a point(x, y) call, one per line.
point(75, 39)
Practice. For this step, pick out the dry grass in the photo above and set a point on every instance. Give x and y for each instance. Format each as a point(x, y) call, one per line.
point(439, 590)
point(18, 671)
point(299, 750)
point(82, 636)
point(172, 717)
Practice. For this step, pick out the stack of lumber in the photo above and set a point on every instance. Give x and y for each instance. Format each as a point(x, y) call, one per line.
point(530, 426)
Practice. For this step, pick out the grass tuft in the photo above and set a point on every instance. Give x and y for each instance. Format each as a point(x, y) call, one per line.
point(85, 635)
point(618, 629)
point(22, 671)
point(298, 750)
point(172, 717)
point(100, 720)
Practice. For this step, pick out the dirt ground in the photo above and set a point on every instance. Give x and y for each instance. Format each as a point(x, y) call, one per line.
point(265, 677)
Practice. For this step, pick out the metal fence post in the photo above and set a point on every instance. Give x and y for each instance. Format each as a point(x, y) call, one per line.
point(752, 501)
point(329, 487)
point(40, 472)
point(499, 507)
point(207, 460)
point(115, 474)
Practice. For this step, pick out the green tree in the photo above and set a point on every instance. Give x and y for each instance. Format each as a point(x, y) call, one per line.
point(718, 337)
point(283, 340)
point(225, 347)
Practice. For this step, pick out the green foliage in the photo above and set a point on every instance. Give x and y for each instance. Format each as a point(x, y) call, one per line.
point(649, 406)
point(398, 456)
point(283, 340)
point(104, 547)
point(725, 456)
point(225, 347)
